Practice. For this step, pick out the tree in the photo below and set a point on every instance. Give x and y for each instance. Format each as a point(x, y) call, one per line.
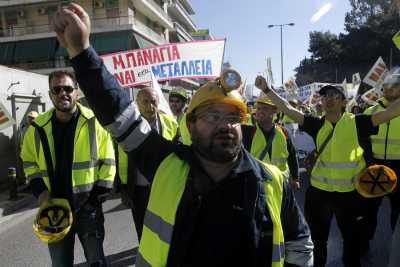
point(370, 26)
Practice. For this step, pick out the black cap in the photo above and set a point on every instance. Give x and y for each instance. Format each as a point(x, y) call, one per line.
point(325, 88)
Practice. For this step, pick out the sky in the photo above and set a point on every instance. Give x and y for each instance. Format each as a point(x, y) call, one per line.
point(248, 39)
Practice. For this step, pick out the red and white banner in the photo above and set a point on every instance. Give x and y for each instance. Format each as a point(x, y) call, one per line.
point(374, 77)
point(5, 118)
point(197, 59)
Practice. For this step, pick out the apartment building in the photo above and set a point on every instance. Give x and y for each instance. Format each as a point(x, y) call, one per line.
point(27, 40)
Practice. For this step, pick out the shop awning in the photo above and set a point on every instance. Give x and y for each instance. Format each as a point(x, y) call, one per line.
point(34, 50)
point(110, 42)
point(142, 42)
point(7, 53)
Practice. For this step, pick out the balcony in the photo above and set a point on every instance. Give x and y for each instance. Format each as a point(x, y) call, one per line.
point(22, 2)
point(181, 31)
point(179, 13)
point(16, 32)
point(154, 12)
point(149, 33)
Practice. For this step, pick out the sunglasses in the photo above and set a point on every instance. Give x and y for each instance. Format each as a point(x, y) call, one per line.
point(66, 88)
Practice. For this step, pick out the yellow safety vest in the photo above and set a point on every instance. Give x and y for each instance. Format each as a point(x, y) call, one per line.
point(287, 119)
point(279, 152)
point(386, 144)
point(169, 128)
point(166, 194)
point(93, 158)
point(185, 135)
point(342, 159)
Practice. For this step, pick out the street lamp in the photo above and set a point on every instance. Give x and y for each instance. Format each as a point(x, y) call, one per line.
point(281, 26)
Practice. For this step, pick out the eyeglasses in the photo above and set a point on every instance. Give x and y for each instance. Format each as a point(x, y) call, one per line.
point(217, 118)
point(66, 88)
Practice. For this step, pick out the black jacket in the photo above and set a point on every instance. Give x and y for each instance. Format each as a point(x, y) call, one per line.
point(193, 238)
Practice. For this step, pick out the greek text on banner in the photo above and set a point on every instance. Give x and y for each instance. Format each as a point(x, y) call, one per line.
point(197, 59)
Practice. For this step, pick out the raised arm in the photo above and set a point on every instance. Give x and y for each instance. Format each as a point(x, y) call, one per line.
point(281, 103)
point(111, 105)
point(386, 115)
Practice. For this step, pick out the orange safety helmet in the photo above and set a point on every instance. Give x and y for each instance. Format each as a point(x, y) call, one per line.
point(376, 181)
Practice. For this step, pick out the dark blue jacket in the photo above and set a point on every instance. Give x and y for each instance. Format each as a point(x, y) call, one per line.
point(217, 224)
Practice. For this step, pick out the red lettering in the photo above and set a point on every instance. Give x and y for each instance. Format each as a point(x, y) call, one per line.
point(379, 71)
point(139, 59)
point(117, 61)
point(162, 53)
point(156, 56)
point(175, 53)
point(374, 77)
point(119, 77)
point(131, 57)
point(147, 57)
point(128, 77)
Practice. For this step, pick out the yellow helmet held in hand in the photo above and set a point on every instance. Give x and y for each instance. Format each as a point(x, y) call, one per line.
point(376, 181)
point(222, 90)
point(53, 220)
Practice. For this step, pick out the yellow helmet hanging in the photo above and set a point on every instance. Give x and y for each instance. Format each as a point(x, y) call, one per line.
point(53, 220)
point(376, 181)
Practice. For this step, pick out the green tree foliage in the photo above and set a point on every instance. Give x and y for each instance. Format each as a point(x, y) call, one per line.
point(370, 26)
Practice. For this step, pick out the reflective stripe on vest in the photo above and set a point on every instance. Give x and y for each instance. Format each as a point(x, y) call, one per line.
point(279, 152)
point(169, 128)
point(386, 144)
point(161, 211)
point(342, 158)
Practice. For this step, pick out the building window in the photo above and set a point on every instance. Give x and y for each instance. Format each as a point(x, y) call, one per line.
point(112, 8)
point(11, 17)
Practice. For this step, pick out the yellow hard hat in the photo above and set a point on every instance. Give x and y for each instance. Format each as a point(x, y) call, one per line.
point(179, 91)
point(222, 90)
point(263, 99)
point(32, 114)
point(376, 181)
point(53, 220)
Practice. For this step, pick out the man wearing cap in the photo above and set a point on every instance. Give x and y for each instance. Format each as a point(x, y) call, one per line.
point(67, 154)
point(135, 187)
point(332, 191)
point(270, 143)
point(385, 150)
point(211, 203)
point(177, 101)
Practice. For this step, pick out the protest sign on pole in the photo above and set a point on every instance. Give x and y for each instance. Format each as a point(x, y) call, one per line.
point(270, 77)
point(356, 81)
point(371, 96)
point(5, 118)
point(374, 77)
point(196, 59)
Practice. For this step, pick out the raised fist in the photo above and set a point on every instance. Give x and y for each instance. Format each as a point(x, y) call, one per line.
point(72, 25)
point(261, 84)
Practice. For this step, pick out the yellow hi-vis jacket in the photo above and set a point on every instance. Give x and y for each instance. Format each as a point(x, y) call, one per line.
point(169, 128)
point(341, 160)
point(93, 162)
point(183, 129)
point(278, 148)
point(386, 144)
point(166, 194)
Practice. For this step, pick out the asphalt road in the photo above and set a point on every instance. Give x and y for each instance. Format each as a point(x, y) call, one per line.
point(19, 247)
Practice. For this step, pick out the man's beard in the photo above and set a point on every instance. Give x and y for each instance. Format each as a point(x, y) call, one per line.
point(67, 108)
point(222, 152)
